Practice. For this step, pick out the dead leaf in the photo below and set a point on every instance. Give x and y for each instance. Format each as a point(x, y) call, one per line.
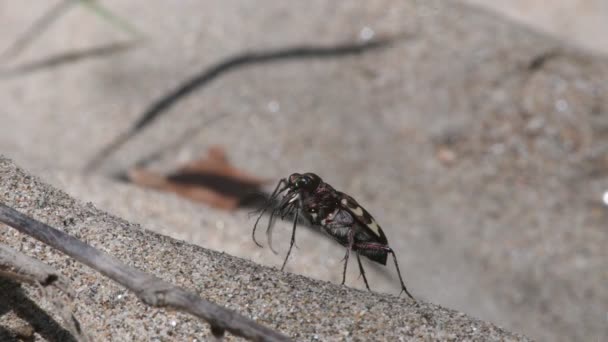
point(211, 180)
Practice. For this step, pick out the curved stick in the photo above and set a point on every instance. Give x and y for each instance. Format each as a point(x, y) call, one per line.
point(148, 288)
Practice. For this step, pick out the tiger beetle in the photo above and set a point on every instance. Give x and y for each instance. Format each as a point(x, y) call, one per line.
point(335, 213)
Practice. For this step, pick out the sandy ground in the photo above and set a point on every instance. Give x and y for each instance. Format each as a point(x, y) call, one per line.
point(484, 192)
point(583, 22)
point(296, 306)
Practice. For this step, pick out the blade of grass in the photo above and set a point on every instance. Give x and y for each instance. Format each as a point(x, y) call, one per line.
point(109, 16)
point(36, 29)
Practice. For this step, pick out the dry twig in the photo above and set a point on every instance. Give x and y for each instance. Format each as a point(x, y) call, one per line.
point(22, 268)
point(150, 289)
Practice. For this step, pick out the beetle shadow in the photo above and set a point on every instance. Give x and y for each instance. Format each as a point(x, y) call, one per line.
point(13, 298)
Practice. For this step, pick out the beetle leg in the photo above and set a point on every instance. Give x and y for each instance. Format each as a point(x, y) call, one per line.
point(386, 249)
point(293, 239)
point(362, 271)
point(269, 230)
point(403, 288)
point(351, 243)
point(277, 190)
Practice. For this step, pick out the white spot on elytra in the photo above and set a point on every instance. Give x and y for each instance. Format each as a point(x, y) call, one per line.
point(358, 211)
point(374, 227)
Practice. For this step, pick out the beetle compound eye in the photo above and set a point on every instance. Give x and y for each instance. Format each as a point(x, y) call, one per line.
point(302, 182)
point(294, 178)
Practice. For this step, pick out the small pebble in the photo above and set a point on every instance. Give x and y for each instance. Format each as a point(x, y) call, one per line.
point(274, 106)
point(366, 34)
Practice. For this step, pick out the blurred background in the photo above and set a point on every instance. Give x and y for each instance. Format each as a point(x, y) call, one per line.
point(475, 132)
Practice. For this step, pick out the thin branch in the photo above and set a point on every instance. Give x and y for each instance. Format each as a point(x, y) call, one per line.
point(21, 268)
point(150, 289)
